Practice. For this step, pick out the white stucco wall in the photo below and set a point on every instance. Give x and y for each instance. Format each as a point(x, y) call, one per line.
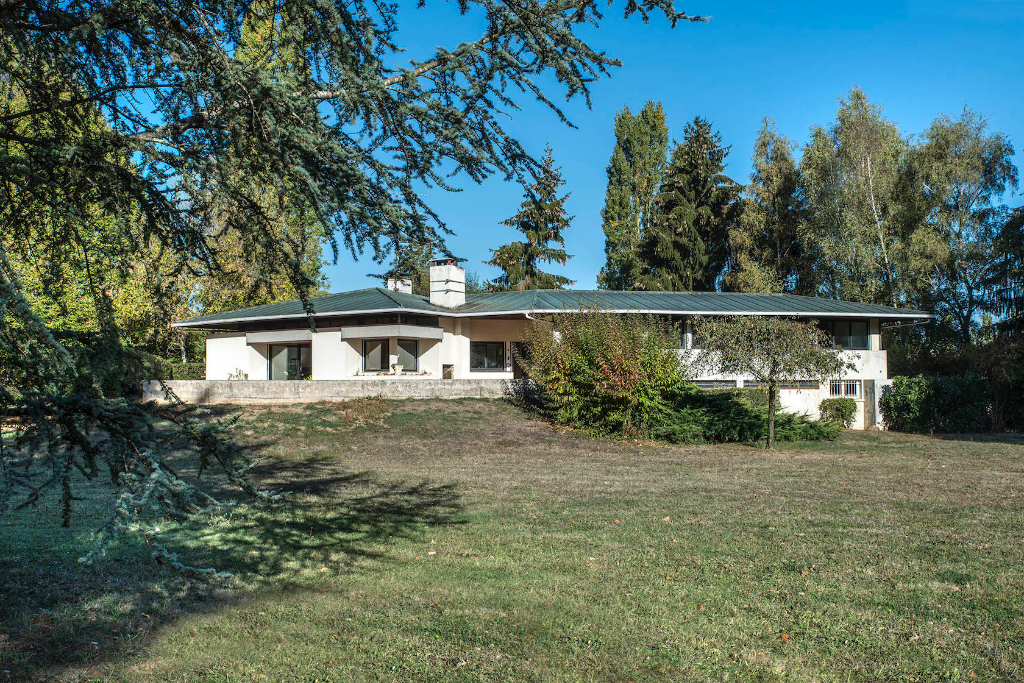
point(225, 354)
point(330, 355)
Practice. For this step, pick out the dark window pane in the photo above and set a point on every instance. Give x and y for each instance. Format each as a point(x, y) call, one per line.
point(843, 334)
point(487, 356)
point(858, 335)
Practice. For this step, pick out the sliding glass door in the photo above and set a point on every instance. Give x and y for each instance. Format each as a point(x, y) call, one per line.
point(291, 361)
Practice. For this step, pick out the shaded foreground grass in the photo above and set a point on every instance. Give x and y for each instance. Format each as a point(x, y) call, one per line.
point(463, 541)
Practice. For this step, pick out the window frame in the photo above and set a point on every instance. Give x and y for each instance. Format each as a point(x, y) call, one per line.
point(708, 384)
point(415, 354)
point(385, 355)
point(844, 386)
point(504, 356)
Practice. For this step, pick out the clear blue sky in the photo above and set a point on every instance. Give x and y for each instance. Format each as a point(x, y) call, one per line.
point(788, 60)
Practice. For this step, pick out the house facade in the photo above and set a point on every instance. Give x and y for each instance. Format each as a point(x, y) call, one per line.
point(369, 333)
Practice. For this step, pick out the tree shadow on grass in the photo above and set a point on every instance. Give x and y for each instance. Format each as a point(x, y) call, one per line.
point(57, 615)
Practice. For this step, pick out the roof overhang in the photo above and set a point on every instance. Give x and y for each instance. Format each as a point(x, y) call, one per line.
point(546, 311)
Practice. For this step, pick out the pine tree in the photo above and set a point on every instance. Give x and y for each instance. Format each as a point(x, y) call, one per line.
point(200, 133)
point(687, 245)
point(541, 219)
point(634, 174)
point(771, 250)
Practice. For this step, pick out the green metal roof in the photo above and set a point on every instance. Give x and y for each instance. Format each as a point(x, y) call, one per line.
point(379, 300)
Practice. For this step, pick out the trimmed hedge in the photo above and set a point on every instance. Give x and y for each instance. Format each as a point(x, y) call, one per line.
point(947, 405)
point(187, 371)
point(842, 411)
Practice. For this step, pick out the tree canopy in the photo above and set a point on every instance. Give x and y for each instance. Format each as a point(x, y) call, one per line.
point(634, 174)
point(158, 126)
point(771, 350)
point(686, 246)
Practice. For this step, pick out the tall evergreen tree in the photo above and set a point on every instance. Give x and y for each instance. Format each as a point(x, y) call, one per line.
point(687, 246)
point(770, 246)
point(541, 219)
point(634, 174)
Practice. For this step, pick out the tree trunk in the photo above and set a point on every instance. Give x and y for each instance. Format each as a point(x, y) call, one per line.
point(773, 394)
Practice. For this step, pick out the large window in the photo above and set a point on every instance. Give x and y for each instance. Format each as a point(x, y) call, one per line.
point(375, 355)
point(849, 334)
point(408, 355)
point(487, 356)
point(290, 361)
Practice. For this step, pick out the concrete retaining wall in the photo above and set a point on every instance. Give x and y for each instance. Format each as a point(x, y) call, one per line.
point(307, 391)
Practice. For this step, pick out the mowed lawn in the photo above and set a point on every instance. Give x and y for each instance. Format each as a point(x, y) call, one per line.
point(467, 541)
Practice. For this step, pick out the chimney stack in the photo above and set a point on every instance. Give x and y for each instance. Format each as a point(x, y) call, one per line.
point(402, 284)
point(447, 283)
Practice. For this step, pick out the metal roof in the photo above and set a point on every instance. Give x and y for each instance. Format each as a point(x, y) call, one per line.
point(379, 300)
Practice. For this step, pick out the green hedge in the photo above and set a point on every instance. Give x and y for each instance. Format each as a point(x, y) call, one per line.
point(187, 371)
point(842, 411)
point(730, 415)
point(947, 405)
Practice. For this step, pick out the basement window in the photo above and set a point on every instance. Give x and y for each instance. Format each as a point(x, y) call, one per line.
point(844, 388)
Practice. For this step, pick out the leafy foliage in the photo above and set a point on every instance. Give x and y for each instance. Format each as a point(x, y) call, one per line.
point(541, 220)
point(204, 133)
point(948, 405)
point(623, 375)
point(771, 350)
point(771, 248)
point(613, 374)
point(842, 411)
point(960, 170)
point(634, 175)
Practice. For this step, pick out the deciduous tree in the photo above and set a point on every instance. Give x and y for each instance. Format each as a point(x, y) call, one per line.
point(771, 350)
point(771, 248)
point(634, 175)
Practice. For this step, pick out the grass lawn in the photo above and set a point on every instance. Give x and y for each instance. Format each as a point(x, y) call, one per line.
point(465, 541)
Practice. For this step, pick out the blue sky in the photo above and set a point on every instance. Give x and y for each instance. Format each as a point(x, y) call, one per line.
point(791, 61)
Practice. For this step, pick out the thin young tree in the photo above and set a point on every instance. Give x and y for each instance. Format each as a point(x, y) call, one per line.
point(541, 219)
point(771, 350)
point(352, 135)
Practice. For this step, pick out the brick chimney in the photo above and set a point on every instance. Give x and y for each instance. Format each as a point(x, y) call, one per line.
point(447, 283)
point(400, 284)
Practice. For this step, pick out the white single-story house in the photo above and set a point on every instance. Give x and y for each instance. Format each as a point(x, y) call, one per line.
point(450, 335)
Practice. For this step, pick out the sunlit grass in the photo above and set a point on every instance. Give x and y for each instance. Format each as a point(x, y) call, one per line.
point(464, 541)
